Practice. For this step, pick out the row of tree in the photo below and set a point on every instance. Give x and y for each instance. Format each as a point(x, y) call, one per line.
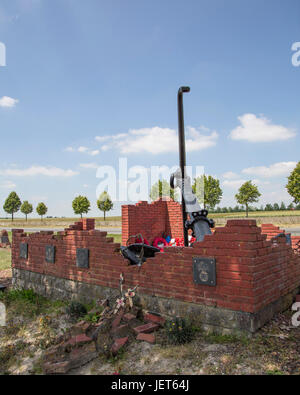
point(206, 188)
point(13, 204)
point(267, 207)
point(81, 205)
point(209, 193)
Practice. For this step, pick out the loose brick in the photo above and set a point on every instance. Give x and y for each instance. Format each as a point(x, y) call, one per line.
point(156, 319)
point(118, 344)
point(129, 317)
point(147, 328)
point(146, 337)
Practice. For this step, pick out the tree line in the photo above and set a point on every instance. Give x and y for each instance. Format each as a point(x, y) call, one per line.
point(209, 194)
point(81, 205)
point(13, 204)
point(206, 188)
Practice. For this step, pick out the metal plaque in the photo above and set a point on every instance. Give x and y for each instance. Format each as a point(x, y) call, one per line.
point(24, 250)
point(50, 254)
point(82, 258)
point(4, 239)
point(204, 270)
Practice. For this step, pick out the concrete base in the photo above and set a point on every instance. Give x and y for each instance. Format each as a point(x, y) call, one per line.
point(208, 318)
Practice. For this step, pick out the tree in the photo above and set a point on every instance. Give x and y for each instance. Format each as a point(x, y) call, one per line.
point(26, 208)
point(282, 206)
point(12, 204)
point(276, 207)
point(41, 209)
point(162, 189)
point(212, 193)
point(269, 207)
point(104, 203)
point(248, 193)
point(81, 205)
point(293, 185)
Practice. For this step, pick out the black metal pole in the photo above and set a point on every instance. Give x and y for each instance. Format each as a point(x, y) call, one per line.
point(182, 156)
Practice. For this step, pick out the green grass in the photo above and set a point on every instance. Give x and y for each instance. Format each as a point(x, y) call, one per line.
point(254, 214)
point(117, 238)
point(286, 218)
point(28, 303)
point(5, 259)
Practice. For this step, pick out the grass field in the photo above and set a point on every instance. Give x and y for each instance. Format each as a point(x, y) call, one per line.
point(5, 259)
point(56, 222)
point(287, 218)
point(282, 218)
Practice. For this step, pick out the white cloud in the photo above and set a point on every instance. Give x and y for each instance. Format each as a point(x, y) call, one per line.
point(89, 165)
point(157, 140)
point(230, 175)
point(8, 185)
point(8, 102)
point(280, 169)
point(70, 149)
point(93, 153)
point(255, 129)
point(233, 183)
point(38, 171)
point(83, 150)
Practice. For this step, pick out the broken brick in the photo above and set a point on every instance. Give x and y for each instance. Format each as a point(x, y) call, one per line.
point(129, 317)
point(121, 331)
point(118, 344)
point(117, 320)
point(78, 340)
point(156, 319)
point(147, 328)
point(146, 337)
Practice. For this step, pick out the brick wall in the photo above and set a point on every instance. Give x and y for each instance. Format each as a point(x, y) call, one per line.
point(271, 231)
point(162, 217)
point(251, 271)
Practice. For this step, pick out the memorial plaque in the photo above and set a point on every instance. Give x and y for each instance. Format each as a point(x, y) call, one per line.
point(24, 250)
point(204, 270)
point(82, 258)
point(50, 254)
point(4, 239)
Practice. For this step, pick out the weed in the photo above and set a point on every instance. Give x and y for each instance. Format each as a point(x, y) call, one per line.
point(179, 331)
point(76, 310)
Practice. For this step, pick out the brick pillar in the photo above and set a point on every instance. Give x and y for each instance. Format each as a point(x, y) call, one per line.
point(88, 223)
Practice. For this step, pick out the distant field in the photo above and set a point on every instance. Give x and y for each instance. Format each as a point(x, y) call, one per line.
point(288, 217)
point(56, 222)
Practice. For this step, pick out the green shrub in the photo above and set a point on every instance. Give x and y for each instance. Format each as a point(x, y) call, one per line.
point(76, 310)
point(27, 295)
point(179, 331)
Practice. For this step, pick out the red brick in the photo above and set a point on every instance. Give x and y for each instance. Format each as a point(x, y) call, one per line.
point(147, 328)
point(118, 344)
point(156, 319)
point(146, 337)
point(129, 317)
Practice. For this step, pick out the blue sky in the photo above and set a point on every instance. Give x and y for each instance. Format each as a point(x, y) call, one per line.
point(77, 72)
